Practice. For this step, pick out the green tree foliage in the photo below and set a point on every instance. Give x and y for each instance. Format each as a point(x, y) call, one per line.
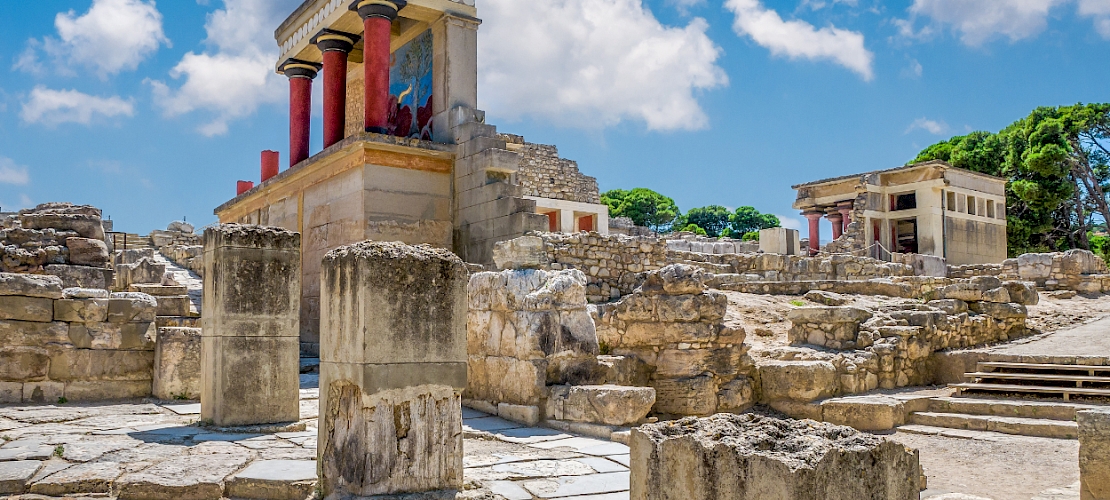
point(752, 236)
point(644, 206)
point(694, 228)
point(748, 220)
point(1057, 164)
point(714, 219)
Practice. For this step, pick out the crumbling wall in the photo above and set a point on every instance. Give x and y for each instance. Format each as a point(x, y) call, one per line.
point(688, 242)
point(1078, 270)
point(673, 325)
point(60, 239)
point(544, 175)
point(80, 344)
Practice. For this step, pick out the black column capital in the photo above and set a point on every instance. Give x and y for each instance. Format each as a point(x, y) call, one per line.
point(296, 68)
point(387, 9)
point(338, 41)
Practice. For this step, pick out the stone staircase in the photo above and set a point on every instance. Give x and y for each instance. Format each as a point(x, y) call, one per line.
point(133, 242)
point(1025, 418)
point(1015, 377)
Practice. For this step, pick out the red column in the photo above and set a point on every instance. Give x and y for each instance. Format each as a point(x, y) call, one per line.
point(837, 224)
point(270, 160)
point(243, 186)
point(300, 75)
point(377, 16)
point(846, 214)
point(814, 231)
point(335, 45)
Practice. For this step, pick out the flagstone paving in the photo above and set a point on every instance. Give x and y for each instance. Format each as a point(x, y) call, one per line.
point(144, 449)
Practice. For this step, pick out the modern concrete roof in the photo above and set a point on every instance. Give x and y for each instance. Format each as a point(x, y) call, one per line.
point(931, 163)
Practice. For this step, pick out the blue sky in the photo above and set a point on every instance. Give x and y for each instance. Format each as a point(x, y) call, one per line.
point(152, 111)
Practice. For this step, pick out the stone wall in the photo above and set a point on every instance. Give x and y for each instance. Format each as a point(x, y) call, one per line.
point(544, 175)
point(1094, 454)
point(77, 344)
point(700, 244)
point(625, 226)
point(673, 325)
point(1077, 270)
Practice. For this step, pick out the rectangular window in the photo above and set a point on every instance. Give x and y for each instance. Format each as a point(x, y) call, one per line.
point(971, 205)
point(906, 201)
point(990, 209)
point(962, 206)
point(951, 201)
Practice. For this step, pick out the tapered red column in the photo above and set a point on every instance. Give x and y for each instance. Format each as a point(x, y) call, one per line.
point(335, 46)
point(837, 222)
point(377, 16)
point(845, 210)
point(814, 231)
point(300, 76)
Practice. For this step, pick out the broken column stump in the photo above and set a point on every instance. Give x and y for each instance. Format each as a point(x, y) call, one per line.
point(1094, 454)
point(250, 343)
point(751, 457)
point(392, 370)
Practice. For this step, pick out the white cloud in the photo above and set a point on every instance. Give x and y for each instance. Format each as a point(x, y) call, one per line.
point(800, 40)
point(113, 36)
point(594, 63)
point(821, 4)
point(231, 81)
point(931, 126)
point(980, 20)
point(54, 107)
point(792, 222)
point(1100, 11)
point(914, 70)
point(10, 173)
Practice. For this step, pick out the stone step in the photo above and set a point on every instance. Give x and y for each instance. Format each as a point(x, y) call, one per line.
point(1036, 427)
point(1050, 410)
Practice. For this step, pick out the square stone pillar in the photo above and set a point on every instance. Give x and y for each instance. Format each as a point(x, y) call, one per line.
point(250, 340)
point(455, 70)
point(392, 370)
point(1094, 454)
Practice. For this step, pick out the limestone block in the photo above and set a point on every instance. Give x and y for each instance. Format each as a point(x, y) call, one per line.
point(23, 363)
point(43, 392)
point(961, 291)
point(81, 310)
point(624, 370)
point(393, 365)
point(950, 306)
point(88, 226)
point(1094, 454)
point(85, 293)
point(675, 279)
point(685, 396)
point(100, 365)
point(81, 276)
point(527, 415)
point(143, 271)
point(14, 476)
point(177, 363)
point(1035, 266)
point(1023, 292)
point(750, 457)
point(181, 227)
point(736, 396)
point(601, 404)
point(159, 290)
point(31, 285)
point(250, 380)
point(797, 380)
point(826, 298)
point(32, 334)
point(865, 413)
point(87, 252)
point(828, 315)
point(130, 307)
point(526, 252)
point(1000, 311)
point(274, 480)
point(10, 393)
point(112, 336)
point(17, 308)
point(998, 295)
point(173, 306)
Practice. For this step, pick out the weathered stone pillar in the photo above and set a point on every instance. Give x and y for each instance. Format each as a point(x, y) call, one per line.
point(250, 342)
point(335, 45)
point(1094, 454)
point(301, 74)
point(377, 17)
point(814, 231)
point(392, 369)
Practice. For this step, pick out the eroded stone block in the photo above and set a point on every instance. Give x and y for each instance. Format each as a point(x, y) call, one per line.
point(750, 457)
point(30, 285)
point(177, 363)
point(1094, 454)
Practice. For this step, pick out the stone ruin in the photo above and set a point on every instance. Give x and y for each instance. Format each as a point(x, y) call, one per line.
point(1094, 454)
point(751, 457)
point(61, 239)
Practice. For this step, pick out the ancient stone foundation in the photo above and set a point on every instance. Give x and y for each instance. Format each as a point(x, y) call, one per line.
point(250, 343)
point(392, 369)
point(750, 457)
point(1094, 454)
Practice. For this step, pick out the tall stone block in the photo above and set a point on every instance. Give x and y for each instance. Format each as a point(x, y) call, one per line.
point(250, 341)
point(392, 370)
point(1094, 454)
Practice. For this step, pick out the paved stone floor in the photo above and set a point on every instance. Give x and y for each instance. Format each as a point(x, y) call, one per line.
point(158, 450)
point(1089, 339)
